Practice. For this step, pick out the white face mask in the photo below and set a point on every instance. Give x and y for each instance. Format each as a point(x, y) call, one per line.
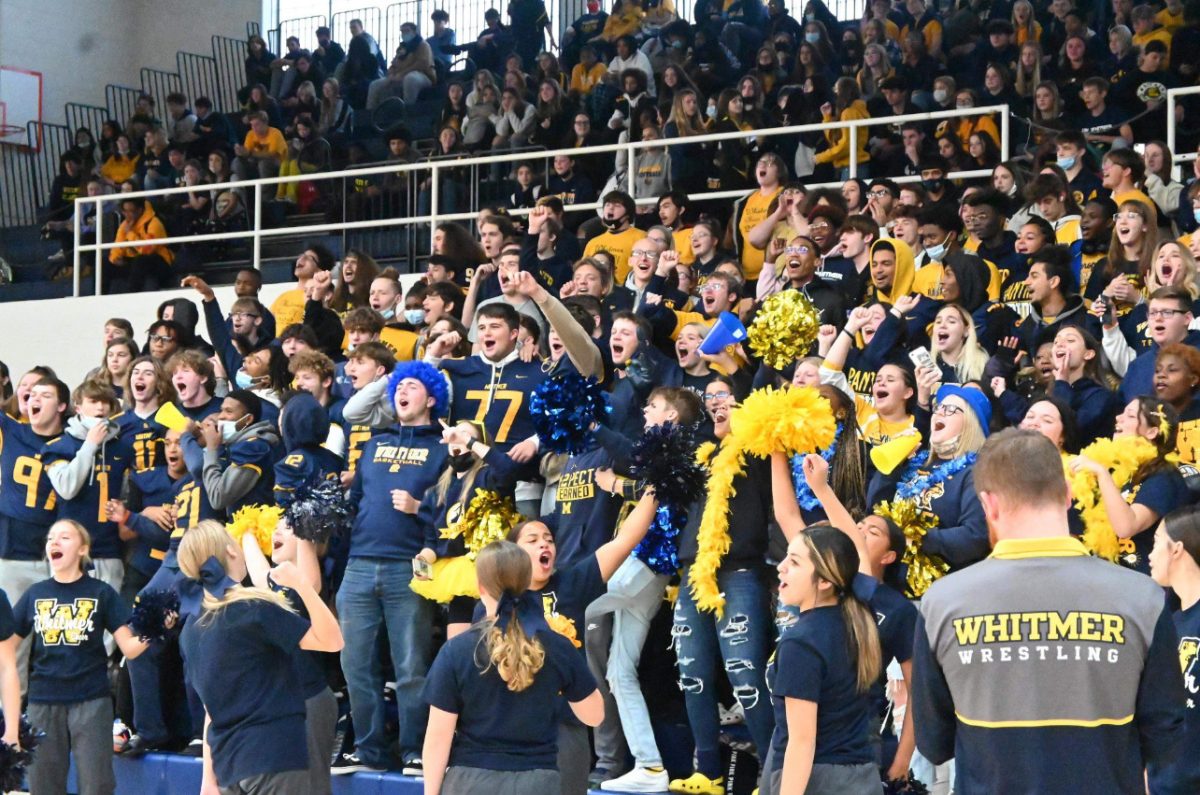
point(91, 422)
point(940, 95)
point(229, 429)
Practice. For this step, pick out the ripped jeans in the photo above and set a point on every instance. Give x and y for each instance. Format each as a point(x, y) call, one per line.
point(742, 639)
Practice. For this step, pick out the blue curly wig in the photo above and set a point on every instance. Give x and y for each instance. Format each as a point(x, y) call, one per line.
point(429, 376)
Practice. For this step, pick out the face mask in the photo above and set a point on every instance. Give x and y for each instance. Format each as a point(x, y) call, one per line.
point(711, 112)
point(812, 38)
point(966, 106)
point(90, 422)
point(933, 185)
point(388, 314)
point(677, 44)
point(1066, 163)
point(810, 18)
point(415, 317)
point(408, 38)
point(936, 252)
point(613, 223)
point(940, 95)
point(243, 380)
point(462, 461)
point(229, 429)
point(1196, 215)
point(945, 449)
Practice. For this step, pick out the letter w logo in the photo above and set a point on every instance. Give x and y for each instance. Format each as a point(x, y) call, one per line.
point(64, 624)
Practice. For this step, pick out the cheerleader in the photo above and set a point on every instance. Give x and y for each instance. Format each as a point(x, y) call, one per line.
point(822, 673)
point(69, 695)
point(565, 596)
point(320, 705)
point(474, 467)
point(1156, 488)
point(245, 641)
point(496, 691)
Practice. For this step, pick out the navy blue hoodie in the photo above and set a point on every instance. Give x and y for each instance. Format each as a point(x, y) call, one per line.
point(409, 458)
point(305, 426)
point(1139, 378)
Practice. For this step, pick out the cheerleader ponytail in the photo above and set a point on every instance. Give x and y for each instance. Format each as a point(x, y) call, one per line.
point(835, 560)
point(503, 570)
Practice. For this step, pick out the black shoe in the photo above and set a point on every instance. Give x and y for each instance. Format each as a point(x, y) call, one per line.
point(138, 745)
point(194, 748)
point(346, 764)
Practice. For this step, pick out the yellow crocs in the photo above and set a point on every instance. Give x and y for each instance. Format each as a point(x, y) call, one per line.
point(698, 784)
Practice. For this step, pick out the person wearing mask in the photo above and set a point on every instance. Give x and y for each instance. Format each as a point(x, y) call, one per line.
point(619, 236)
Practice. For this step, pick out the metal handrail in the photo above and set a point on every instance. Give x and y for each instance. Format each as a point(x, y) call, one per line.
point(434, 167)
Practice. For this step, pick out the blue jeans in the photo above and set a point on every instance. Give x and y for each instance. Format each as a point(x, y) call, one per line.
point(375, 595)
point(145, 679)
point(742, 640)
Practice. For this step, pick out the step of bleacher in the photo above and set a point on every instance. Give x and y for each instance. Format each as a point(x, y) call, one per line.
point(176, 774)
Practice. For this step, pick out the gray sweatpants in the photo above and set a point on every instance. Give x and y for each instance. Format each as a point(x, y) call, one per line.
point(825, 779)
point(82, 729)
point(320, 721)
point(476, 781)
point(291, 782)
point(574, 758)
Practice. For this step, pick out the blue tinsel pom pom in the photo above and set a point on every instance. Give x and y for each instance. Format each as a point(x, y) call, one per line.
point(319, 511)
point(148, 619)
point(564, 408)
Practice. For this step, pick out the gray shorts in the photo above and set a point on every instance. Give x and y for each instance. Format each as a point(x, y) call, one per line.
point(477, 781)
point(825, 779)
point(291, 782)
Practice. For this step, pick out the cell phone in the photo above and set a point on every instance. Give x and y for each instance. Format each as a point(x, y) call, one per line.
point(422, 569)
point(1110, 311)
point(920, 357)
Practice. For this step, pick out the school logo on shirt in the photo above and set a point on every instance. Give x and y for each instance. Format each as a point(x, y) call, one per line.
point(1187, 662)
point(65, 624)
point(397, 456)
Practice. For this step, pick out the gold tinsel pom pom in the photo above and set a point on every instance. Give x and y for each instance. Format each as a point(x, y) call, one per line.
point(259, 520)
point(488, 518)
point(1121, 457)
point(923, 568)
point(788, 420)
point(784, 328)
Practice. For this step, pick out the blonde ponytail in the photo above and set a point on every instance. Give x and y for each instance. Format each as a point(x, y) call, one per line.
point(209, 539)
point(503, 568)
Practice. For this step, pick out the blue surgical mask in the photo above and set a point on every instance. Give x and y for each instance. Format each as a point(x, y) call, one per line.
point(415, 317)
point(1066, 163)
point(812, 38)
point(243, 380)
point(388, 314)
point(229, 429)
point(1196, 215)
point(408, 38)
point(711, 112)
point(936, 252)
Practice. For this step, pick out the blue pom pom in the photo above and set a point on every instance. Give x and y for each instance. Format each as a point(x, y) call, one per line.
point(150, 611)
point(319, 511)
point(659, 550)
point(564, 408)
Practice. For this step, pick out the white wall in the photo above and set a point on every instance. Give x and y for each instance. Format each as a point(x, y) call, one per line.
point(81, 45)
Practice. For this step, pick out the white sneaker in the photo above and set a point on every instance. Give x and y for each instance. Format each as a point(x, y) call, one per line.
point(638, 780)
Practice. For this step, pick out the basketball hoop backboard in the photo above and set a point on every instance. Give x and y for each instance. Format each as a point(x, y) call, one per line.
point(20, 103)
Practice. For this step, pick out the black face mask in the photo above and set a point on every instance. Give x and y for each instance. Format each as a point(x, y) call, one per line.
point(933, 185)
point(613, 224)
point(461, 462)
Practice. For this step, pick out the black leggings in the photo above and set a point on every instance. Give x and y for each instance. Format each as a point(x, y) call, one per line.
point(137, 271)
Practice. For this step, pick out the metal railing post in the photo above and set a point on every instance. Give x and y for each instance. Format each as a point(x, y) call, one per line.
point(434, 198)
point(257, 261)
point(631, 166)
point(1004, 142)
point(75, 251)
point(853, 130)
point(99, 239)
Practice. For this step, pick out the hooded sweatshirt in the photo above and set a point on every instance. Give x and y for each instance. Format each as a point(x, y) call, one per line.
point(26, 498)
point(86, 477)
point(239, 472)
point(902, 279)
point(406, 458)
point(494, 393)
point(305, 426)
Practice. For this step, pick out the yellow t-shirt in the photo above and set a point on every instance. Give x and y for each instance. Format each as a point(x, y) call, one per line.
point(754, 211)
point(288, 308)
point(272, 143)
point(619, 245)
point(683, 244)
point(1172, 22)
point(400, 341)
point(1161, 34)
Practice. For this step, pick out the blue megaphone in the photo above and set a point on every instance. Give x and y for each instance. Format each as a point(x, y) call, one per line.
point(728, 330)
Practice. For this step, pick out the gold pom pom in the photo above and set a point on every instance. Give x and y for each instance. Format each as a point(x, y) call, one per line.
point(784, 328)
point(564, 626)
point(787, 420)
point(1121, 457)
point(923, 568)
point(488, 518)
point(260, 520)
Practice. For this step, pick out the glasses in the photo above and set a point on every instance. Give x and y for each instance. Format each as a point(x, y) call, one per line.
point(242, 315)
point(711, 396)
point(161, 338)
point(796, 250)
point(948, 410)
point(650, 255)
point(1126, 217)
point(878, 194)
point(712, 287)
point(819, 225)
point(1165, 313)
